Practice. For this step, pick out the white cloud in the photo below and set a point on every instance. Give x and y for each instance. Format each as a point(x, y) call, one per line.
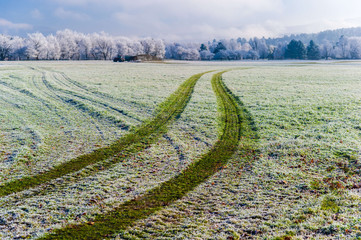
point(235, 8)
point(14, 26)
point(205, 32)
point(36, 14)
point(222, 10)
point(322, 25)
point(67, 14)
point(340, 23)
point(201, 20)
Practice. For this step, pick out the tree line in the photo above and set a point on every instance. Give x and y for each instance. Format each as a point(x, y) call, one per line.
point(258, 48)
point(72, 45)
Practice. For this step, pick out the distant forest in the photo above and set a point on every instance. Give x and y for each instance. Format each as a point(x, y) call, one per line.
point(71, 45)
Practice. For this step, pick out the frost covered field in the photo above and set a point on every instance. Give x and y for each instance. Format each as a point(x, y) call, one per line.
point(300, 178)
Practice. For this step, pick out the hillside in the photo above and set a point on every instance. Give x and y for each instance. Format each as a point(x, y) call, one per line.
point(330, 35)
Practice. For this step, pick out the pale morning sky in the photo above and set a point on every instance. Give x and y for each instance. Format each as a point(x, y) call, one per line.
point(179, 20)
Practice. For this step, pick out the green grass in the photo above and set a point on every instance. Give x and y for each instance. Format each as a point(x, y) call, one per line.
point(133, 142)
point(303, 181)
point(234, 123)
point(309, 137)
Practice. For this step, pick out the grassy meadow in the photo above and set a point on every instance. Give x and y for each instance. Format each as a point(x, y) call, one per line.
point(300, 178)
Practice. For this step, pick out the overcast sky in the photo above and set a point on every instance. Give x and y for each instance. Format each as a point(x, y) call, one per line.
point(179, 20)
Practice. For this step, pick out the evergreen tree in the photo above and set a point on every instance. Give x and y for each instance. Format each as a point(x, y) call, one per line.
point(295, 50)
point(203, 47)
point(313, 51)
point(219, 47)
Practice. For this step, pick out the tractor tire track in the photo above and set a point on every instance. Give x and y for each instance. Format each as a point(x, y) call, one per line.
point(175, 146)
point(15, 105)
point(54, 108)
point(104, 95)
point(78, 105)
point(82, 106)
point(35, 141)
point(67, 81)
point(131, 143)
point(93, 101)
point(73, 94)
point(26, 92)
point(34, 138)
point(235, 125)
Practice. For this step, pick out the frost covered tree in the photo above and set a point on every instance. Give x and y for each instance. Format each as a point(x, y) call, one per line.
point(279, 51)
point(18, 50)
point(343, 47)
point(135, 47)
point(154, 47)
point(128, 47)
point(72, 45)
point(103, 46)
point(206, 55)
point(327, 50)
point(355, 47)
point(171, 50)
point(159, 50)
point(221, 55)
point(53, 48)
point(36, 46)
point(220, 47)
point(122, 47)
point(85, 45)
point(233, 45)
point(260, 47)
point(252, 54)
point(188, 54)
point(5, 46)
point(182, 51)
point(212, 45)
point(67, 42)
point(148, 46)
point(241, 40)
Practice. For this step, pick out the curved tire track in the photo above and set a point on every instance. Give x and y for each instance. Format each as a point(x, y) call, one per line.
point(70, 98)
point(102, 95)
point(133, 142)
point(99, 102)
point(78, 105)
point(235, 124)
point(67, 81)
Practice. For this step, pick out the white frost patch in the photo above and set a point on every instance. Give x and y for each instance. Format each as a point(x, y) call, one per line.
point(355, 192)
